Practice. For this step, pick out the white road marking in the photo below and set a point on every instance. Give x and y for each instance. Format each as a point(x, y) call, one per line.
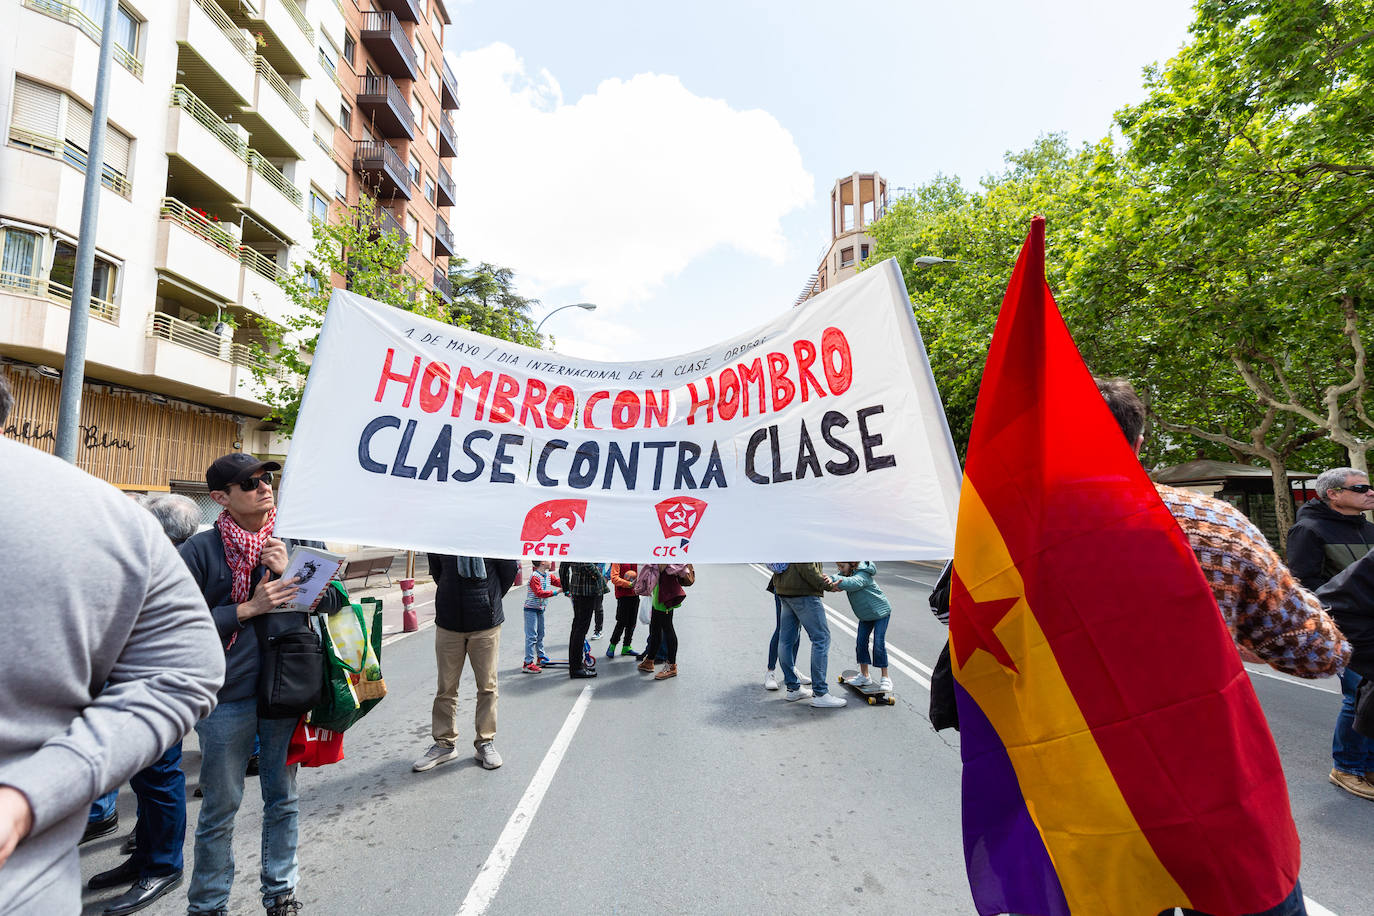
point(1289, 679)
point(1316, 909)
point(493, 871)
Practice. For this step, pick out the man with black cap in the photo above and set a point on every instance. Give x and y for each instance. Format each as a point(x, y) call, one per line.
point(231, 563)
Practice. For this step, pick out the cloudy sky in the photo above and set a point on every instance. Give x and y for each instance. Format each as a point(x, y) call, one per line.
point(673, 163)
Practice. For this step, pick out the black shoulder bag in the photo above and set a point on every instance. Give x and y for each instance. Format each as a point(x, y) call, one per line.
point(292, 674)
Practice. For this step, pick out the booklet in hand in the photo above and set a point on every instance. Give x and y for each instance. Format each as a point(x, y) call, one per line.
point(314, 568)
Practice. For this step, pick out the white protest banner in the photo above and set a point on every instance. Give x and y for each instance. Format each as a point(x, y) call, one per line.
point(819, 436)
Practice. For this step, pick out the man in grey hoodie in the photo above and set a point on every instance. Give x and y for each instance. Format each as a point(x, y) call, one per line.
point(111, 657)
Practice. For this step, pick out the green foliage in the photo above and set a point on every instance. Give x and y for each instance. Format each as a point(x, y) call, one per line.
point(372, 262)
point(484, 300)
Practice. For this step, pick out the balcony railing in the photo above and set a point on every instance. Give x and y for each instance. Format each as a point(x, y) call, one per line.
point(273, 79)
point(381, 100)
point(164, 327)
point(199, 224)
point(274, 177)
point(390, 48)
point(70, 13)
point(73, 155)
point(375, 156)
point(301, 22)
point(226, 25)
point(448, 136)
point(448, 191)
point(449, 98)
point(443, 238)
point(251, 257)
point(442, 285)
point(57, 292)
point(185, 99)
point(408, 10)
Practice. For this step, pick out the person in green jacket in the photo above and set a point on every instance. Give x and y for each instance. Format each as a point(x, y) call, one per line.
point(871, 606)
point(800, 586)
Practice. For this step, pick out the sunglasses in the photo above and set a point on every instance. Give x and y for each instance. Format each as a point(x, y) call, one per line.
point(1358, 488)
point(252, 483)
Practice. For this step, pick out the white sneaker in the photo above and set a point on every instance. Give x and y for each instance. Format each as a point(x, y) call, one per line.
point(770, 682)
point(885, 684)
point(828, 701)
point(436, 755)
point(800, 693)
point(858, 680)
point(596, 635)
point(806, 681)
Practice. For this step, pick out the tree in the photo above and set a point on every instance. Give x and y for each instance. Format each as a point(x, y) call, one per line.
point(371, 261)
point(484, 299)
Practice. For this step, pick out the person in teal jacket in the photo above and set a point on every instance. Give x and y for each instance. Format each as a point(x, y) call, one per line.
point(871, 606)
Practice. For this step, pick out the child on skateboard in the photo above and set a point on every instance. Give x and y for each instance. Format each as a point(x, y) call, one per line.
point(873, 610)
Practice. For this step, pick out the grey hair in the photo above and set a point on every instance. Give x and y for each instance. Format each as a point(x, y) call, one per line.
point(1333, 479)
point(179, 515)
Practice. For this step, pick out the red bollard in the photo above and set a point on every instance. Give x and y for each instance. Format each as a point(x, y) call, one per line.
point(410, 621)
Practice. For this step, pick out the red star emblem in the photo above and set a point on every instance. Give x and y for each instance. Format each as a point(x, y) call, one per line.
point(971, 624)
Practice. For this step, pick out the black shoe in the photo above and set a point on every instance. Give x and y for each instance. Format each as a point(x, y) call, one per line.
point(252, 766)
point(124, 873)
point(143, 893)
point(284, 905)
point(581, 672)
point(199, 793)
point(97, 829)
point(130, 844)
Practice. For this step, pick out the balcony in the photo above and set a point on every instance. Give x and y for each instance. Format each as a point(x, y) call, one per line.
point(193, 356)
point(273, 199)
point(385, 108)
point(443, 286)
point(258, 289)
point(443, 238)
point(204, 29)
point(46, 288)
point(387, 222)
point(382, 168)
point(449, 97)
point(409, 10)
point(198, 250)
point(448, 136)
point(73, 15)
point(213, 147)
point(447, 192)
point(386, 41)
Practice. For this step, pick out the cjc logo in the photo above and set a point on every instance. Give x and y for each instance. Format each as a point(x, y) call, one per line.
point(678, 517)
point(555, 518)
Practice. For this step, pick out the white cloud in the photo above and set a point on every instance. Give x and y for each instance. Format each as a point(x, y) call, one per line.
point(618, 191)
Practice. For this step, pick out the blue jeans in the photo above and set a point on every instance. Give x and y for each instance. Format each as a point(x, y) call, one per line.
point(534, 634)
point(226, 740)
point(777, 627)
point(878, 630)
point(103, 807)
point(807, 612)
point(1351, 752)
point(1292, 905)
point(160, 832)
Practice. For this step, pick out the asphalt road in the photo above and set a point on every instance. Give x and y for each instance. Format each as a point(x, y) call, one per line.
point(699, 794)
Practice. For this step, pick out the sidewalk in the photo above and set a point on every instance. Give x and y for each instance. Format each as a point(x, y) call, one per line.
point(390, 595)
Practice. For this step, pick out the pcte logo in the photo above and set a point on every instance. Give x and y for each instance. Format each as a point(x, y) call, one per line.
point(678, 517)
point(553, 519)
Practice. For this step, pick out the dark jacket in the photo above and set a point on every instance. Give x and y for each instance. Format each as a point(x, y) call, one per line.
point(1323, 542)
point(800, 579)
point(467, 604)
point(1349, 596)
point(582, 579)
point(203, 554)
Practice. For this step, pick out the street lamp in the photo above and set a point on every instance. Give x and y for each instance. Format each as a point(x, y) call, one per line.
point(589, 306)
point(930, 260)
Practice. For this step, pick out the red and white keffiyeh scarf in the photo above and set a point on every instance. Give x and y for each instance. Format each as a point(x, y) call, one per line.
point(243, 550)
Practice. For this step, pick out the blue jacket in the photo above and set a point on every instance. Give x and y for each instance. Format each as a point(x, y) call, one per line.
point(866, 600)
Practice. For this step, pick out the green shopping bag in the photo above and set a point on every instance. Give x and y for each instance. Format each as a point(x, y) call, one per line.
point(353, 682)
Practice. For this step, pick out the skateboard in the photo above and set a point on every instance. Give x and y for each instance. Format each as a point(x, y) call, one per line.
point(588, 659)
point(873, 692)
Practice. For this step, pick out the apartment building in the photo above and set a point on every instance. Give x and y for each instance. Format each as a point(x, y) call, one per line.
point(231, 124)
point(856, 202)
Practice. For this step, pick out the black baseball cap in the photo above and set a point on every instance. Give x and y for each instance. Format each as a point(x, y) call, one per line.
point(229, 469)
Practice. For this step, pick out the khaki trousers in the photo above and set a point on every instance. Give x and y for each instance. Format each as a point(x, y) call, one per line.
point(451, 649)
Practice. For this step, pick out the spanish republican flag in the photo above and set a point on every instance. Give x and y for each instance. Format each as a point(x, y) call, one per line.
point(1116, 760)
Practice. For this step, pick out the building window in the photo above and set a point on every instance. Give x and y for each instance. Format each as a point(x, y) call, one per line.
point(429, 188)
point(126, 35)
point(341, 182)
point(319, 207)
point(346, 117)
point(436, 82)
point(419, 53)
point(63, 274)
point(328, 54)
point(432, 133)
point(436, 25)
point(350, 45)
point(412, 228)
point(416, 108)
point(21, 260)
point(846, 257)
point(863, 252)
point(47, 121)
point(427, 249)
point(414, 170)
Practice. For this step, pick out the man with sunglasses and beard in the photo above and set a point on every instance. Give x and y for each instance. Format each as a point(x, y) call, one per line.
point(237, 564)
point(1331, 533)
